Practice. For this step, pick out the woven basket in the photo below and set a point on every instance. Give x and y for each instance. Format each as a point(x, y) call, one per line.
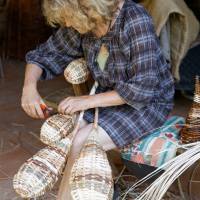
point(77, 72)
point(41, 172)
point(55, 128)
point(91, 175)
point(191, 131)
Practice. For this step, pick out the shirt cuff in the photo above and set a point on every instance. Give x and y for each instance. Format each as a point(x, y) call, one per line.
point(46, 75)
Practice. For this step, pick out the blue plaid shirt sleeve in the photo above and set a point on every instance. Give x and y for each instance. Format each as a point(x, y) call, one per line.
point(139, 89)
point(55, 54)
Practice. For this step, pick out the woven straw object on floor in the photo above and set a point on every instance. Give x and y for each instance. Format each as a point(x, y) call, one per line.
point(77, 72)
point(41, 172)
point(55, 128)
point(191, 131)
point(91, 175)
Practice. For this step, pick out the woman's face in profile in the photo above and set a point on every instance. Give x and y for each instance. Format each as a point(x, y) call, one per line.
point(79, 24)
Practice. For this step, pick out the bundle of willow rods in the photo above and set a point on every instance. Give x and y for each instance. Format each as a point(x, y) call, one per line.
point(191, 132)
point(174, 168)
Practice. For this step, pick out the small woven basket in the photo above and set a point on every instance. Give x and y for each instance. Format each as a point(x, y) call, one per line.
point(91, 175)
point(77, 72)
point(55, 128)
point(40, 173)
point(191, 131)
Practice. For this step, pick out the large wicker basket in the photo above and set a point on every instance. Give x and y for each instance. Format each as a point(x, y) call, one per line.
point(41, 172)
point(91, 175)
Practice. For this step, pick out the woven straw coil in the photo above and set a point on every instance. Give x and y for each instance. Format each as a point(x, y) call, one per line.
point(55, 128)
point(41, 172)
point(77, 72)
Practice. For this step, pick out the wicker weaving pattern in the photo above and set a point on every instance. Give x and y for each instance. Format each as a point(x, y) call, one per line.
point(55, 128)
point(77, 72)
point(91, 176)
point(191, 131)
point(40, 173)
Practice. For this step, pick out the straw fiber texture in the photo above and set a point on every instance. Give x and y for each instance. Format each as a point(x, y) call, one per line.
point(77, 72)
point(40, 173)
point(191, 131)
point(91, 175)
point(55, 128)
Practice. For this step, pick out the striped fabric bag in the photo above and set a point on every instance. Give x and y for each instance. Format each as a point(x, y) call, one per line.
point(158, 147)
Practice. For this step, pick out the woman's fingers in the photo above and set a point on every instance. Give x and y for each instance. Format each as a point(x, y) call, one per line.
point(39, 111)
point(62, 106)
point(26, 109)
point(31, 101)
point(33, 111)
point(66, 107)
point(69, 110)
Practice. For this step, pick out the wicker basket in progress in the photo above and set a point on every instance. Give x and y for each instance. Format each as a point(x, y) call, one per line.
point(77, 72)
point(55, 128)
point(41, 172)
point(91, 175)
point(191, 131)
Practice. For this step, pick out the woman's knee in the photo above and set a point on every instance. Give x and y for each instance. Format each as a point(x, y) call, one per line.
point(81, 137)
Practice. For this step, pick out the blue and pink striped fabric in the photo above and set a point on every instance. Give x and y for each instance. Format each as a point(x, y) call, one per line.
point(158, 147)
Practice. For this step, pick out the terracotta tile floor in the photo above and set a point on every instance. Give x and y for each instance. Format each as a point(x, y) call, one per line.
point(19, 133)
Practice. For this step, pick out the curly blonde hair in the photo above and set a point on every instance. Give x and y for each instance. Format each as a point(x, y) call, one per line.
point(84, 15)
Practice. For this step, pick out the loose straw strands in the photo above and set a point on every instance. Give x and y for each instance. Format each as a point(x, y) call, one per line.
point(174, 168)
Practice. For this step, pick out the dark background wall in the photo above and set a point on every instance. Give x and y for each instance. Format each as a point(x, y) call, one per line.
point(195, 6)
point(26, 27)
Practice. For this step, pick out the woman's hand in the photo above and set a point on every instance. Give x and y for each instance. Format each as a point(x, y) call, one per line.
point(71, 105)
point(31, 102)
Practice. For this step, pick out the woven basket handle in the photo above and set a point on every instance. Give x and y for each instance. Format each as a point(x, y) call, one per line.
point(80, 118)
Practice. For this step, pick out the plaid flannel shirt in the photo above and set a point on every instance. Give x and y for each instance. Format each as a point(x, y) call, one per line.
point(135, 68)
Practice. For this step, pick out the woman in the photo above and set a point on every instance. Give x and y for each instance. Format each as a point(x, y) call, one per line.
point(117, 40)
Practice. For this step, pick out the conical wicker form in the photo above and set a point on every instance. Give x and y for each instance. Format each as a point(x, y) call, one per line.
point(91, 175)
point(191, 131)
point(40, 173)
point(55, 128)
point(77, 72)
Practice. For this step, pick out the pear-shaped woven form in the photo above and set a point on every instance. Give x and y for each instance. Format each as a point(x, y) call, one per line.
point(191, 131)
point(91, 175)
point(40, 173)
point(77, 72)
point(55, 128)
